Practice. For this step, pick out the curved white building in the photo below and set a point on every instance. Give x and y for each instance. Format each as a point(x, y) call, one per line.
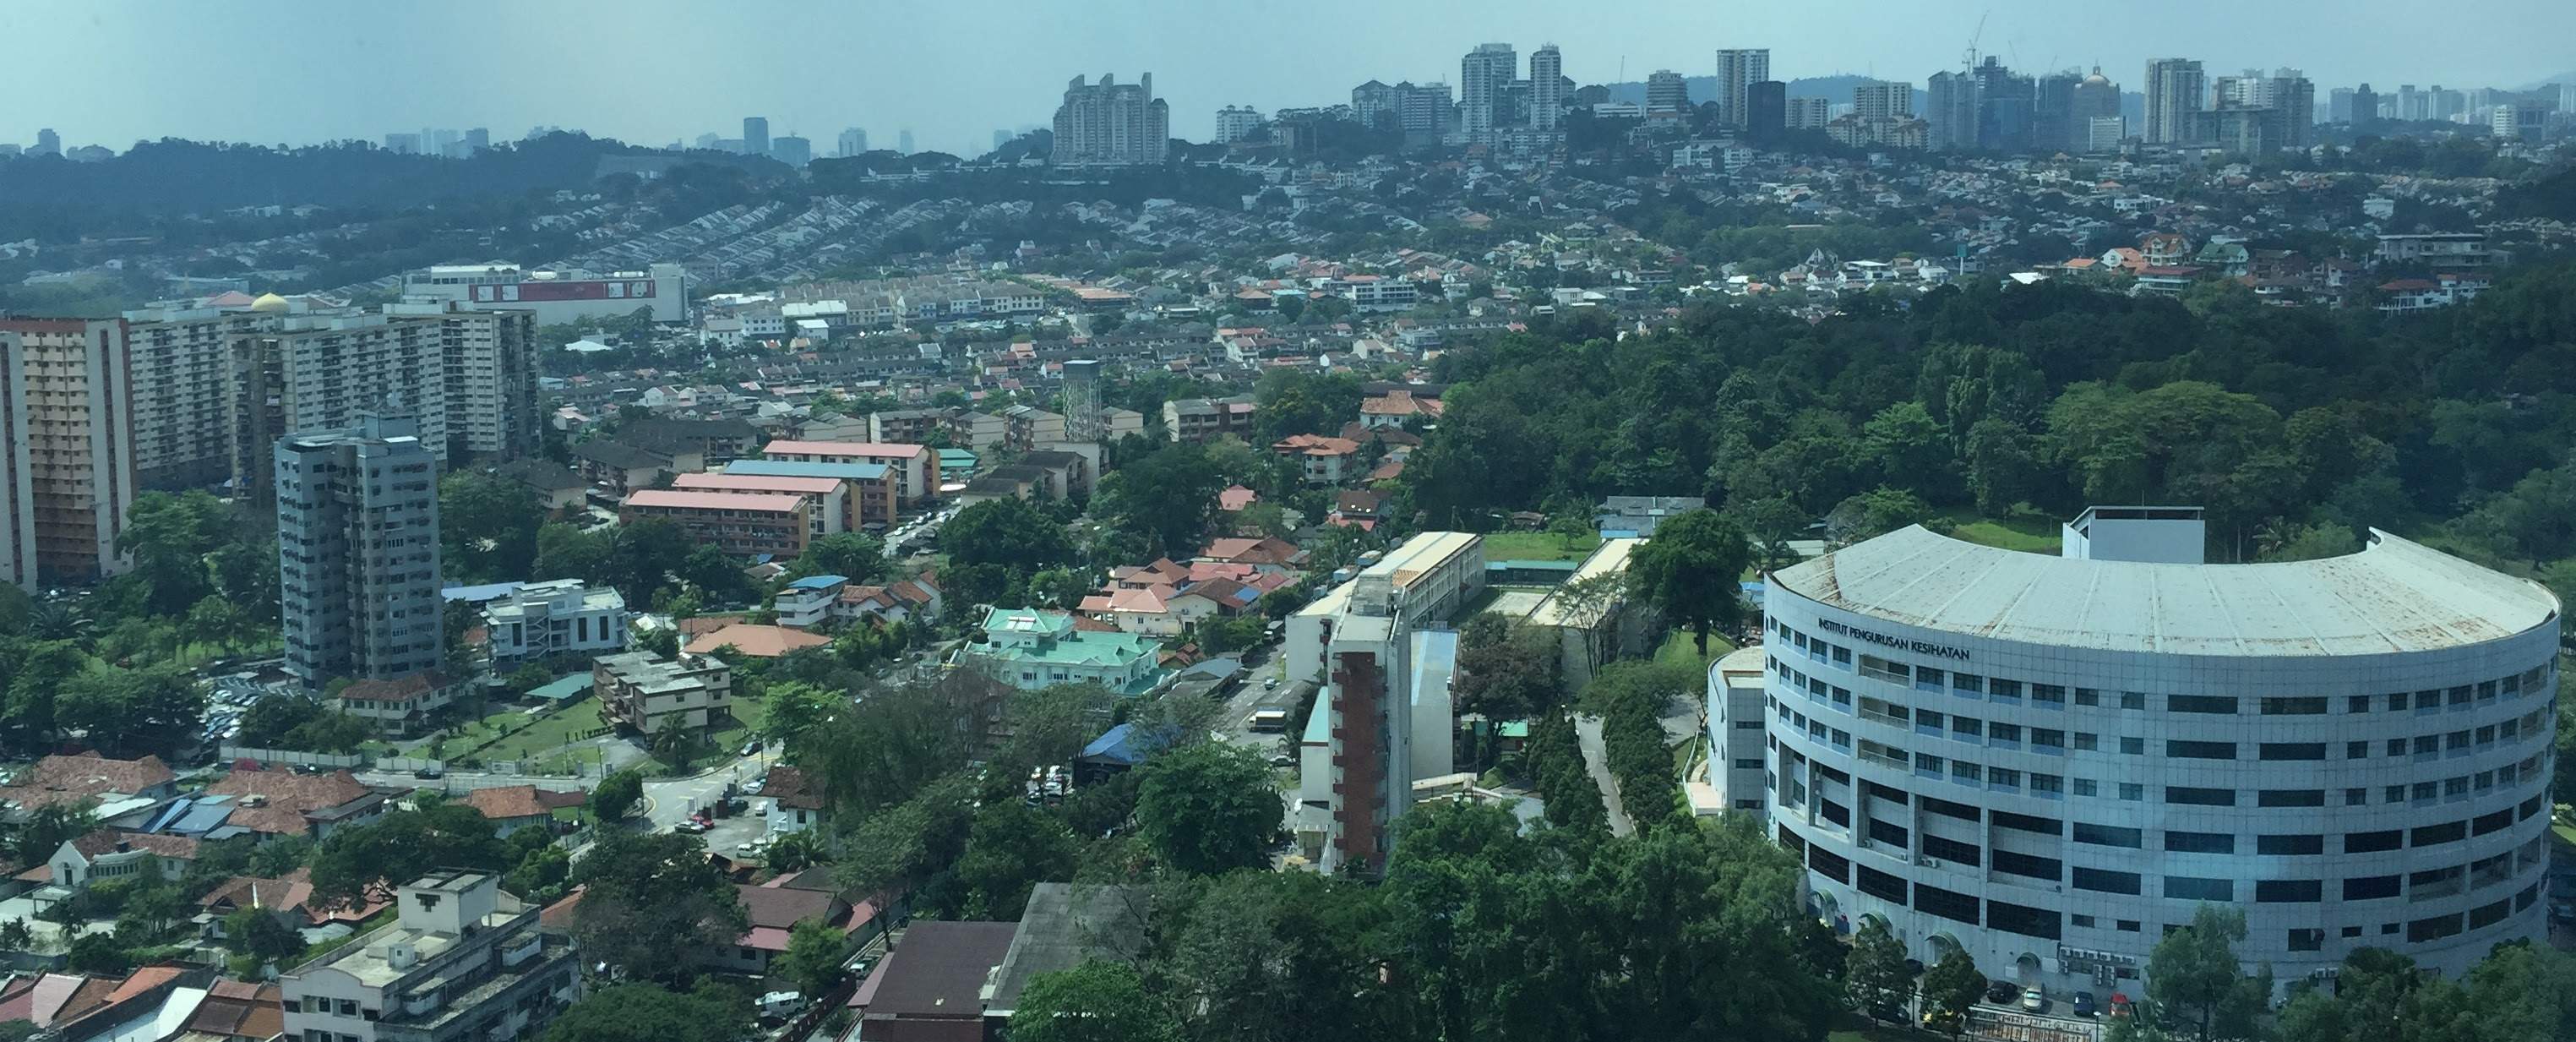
point(2048, 761)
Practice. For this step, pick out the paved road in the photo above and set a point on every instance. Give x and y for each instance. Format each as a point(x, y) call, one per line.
point(1587, 733)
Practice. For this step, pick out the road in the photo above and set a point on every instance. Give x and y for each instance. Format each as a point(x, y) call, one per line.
point(1587, 733)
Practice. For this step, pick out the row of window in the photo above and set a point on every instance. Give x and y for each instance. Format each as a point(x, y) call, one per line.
point(1938, 679)
point(2050, 785)
point(2045, 923)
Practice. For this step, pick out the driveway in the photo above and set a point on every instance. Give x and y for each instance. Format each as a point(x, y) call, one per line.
point(1587, 733)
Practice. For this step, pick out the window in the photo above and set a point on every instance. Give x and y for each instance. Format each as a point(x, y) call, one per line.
point(2085, 696)
point(2028, 922)
point(2133, 746)
point(2001, 733)
point(2200, 797)
point(2200, 842)
point(2356, 750)
point(2047, 784)
point(2130, 790)
point(2003, 690)
point(1893, 835)
point(2133, 700)
point(2291, 798)
point(2357, 704)
point(2299, 750)
point(2293, 706)
point(2086, 741)
point(2356, 797)
point(1927, 762)
point(1951, 850)
point(2026, 865)
point(1930, 719)
point(2052, 696)
point(2294, 844)
point(2433, 929)
point(2048, 740)
point(2289, 891)
point(2370, 888)
point(2106, 881)
point(2087, 787)
point(1927, 678)
point(1967, 683)
point(2001, 778)
point(2184, 750)
point(1967, 728)
point(2306, 939)
point(2196, 888)
point(2219, 704)
point(2109, 835)
point(1946, 903)
point(2373, 842)
point(2435, 835)
point(2027, 823)
point(1877, 668)
point(1961, 770)
point(1881, 885)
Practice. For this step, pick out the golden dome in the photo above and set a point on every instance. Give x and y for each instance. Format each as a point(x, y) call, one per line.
point(270, 303)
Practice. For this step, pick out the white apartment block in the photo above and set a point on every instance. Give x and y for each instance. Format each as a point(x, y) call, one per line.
point(555, 617)
point(462, 962)
point(322, 371)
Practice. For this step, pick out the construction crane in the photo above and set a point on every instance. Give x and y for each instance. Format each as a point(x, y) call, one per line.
point(1974, 37)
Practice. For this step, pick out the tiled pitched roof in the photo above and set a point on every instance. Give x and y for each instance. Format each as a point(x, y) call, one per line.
point(287, 797)
point(69, 779)
point(504, 802)
point(106, 841)
point(755, 640)
point(791, 788)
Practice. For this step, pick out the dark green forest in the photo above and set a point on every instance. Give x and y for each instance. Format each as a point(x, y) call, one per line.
point(2296, 428)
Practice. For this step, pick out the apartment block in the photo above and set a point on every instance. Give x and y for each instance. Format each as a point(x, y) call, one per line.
point(78, 422)
point(462, 961)
point(646, 692)
point(17, 494)
point(357, 531)
point(914, 467)
point(489, 362)
point(182, 384)
point(554, 617)
point(1199, 420)
point(871, 499)
point(320, 371)
point(744, 524)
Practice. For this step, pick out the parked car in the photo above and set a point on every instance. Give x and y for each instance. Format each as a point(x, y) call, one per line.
point(751, 748)
point(2084, 1006)
point(2001, 992)
point(429, 773)
point(2034, 1000)
point(691, 825)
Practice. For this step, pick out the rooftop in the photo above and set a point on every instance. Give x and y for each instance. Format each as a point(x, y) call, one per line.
point(785, 484)
point(755, 640)
point(2394, 596)
point(863, 449)
point(682, 500)
point(789, 468)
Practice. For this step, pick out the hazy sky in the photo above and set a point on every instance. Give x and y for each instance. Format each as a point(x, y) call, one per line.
point(654, 71)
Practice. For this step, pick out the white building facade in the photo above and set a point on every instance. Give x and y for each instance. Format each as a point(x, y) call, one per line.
point(555, 617)
point(2047, 762)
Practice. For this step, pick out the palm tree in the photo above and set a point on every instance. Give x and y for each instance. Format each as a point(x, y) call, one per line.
point(60, 620)
point(673, 742)
point(797, 851)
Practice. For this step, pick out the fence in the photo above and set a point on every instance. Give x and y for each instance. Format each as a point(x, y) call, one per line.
point(407, 763)
point(244, 752)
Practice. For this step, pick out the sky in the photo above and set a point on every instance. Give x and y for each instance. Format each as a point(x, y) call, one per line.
point(652, 72)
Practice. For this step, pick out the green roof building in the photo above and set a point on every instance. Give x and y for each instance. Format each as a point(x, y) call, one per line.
point(1030, 649)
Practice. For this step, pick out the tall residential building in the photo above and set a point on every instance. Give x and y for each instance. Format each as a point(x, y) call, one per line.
point(1810, 113)
point(1738, 69)
point(1667, 92)
point(489, 363)
point(1547, 88)
point(1484, 76)
point(1956, 758)
point(323, 372)
point(1373, 105)
point(1425, 109)
point(1236, 122)
point(755, 135)
point(2339, 105)
point(2053, 123)
point(2294, 104)
point(791, 150)
point(2175, 88)
point(854, 141)
point(48, 143)
point(1882, 99)
point(478, 139)
point(17, 494)
point(357, 532)
point(903, 139)
point(1111, 124)
point(2411, 104)
point(182, 357)
point(2365, 107)
point(1766, 108)
point(2005, 107)
point(1951, 108)
point(79, 430)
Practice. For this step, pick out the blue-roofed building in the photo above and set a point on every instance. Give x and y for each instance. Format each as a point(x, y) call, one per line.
point(806, 602)
point(1120, 749)
point(200, 816)
point(873, 488)
point(956, 464)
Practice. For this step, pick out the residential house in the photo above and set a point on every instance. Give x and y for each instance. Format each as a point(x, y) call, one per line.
point(930, 988)
point(773, 909)
point(1028, 428)
point(290, 896)
point(621, 468)
point(1358, 508)
point(915, 598)
point(111, 854)
point(404, 703)
point(1030, 649)
point(2440, 291)
point(795, 801)
point(1200, 420)
point(1395, 407)
point(1267, 555)
point(462, 961)
point(1321, 460)
point(1066, 474)
point(558, 488)
point(1159, 612)
point(513, 807)
point(282, 803)
point(2164, 249)
point(647, 693)
point(2441, 250)
point(89, 778)
point(1236, 497)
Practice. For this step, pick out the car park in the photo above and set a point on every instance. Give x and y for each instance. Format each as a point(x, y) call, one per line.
point(2034, 1000)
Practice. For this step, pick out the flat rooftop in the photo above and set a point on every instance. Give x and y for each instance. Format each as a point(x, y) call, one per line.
point(2393, 596)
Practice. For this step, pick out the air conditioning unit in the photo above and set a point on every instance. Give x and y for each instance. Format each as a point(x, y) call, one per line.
point(1926, 862)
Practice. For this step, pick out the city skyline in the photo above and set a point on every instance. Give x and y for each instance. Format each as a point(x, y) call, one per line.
point(358, 87)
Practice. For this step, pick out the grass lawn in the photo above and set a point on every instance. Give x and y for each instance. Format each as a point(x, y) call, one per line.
point(1680, 650)
point(2029, 533)
point(1537, 546)
point(538, 737)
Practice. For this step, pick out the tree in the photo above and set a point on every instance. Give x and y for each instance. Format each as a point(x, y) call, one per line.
point(792, 709)
point(856, 556)
point(1169, 496)
point(1208, 808)
point(645, 1013)
point(530, 677)
point(1874, 974)
point(882, 750)
point(47, 828)
point(653, 905)
point(2196, 982)
point(1096, 1001)
point(812, 960)
point(1010, 532)
point(1012, 848)
point(617, 795)
point(353, 863)
point(1953, 987)
point(487, 525)
point(797, 851)
point(99, 953)
point(257, 932)
point(1692, 571)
